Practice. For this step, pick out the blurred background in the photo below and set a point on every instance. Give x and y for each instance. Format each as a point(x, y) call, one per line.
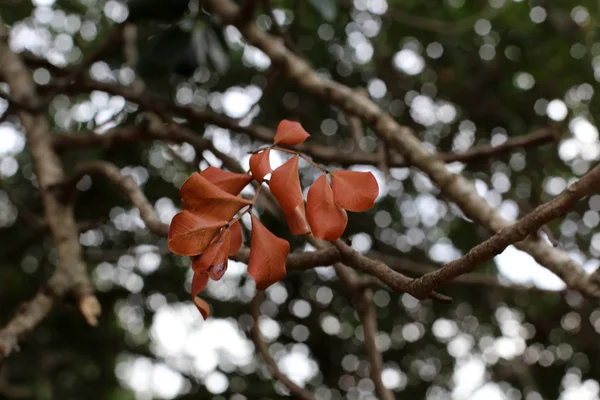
point(462, 74)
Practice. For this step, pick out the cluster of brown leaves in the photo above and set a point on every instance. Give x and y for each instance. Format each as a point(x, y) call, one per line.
point(208, 229)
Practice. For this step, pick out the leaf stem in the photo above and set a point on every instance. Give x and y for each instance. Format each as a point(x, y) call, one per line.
point(302, 156)
point(290, 151)
point(248, 209)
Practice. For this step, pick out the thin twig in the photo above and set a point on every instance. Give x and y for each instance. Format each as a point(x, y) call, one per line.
point(278, 29)
point(368, 317)
point(366, 310)
point(263, 349)
point(438, 26)
point(126, 184)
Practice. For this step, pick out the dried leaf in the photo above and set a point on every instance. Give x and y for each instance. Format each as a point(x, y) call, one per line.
point(236, 237)
point(353, 190)
point(190, 234)
point(230, 182)
point(290, 133)
point(327, 220)
point(268, 255)
point(201, 197)
point(203, 307)
point(214, 260)
point(199, 282)
point(285, 185)
point(297, 221)
point(260, 165)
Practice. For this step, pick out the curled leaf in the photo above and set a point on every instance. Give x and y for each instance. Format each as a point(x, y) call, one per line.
point(199, 282)
point(353, 190)
point(290, 133)
point(230, 182)
point(260, 165)
point(327, 220)
point(236, 237)
point(201, 197)
point(203, 307)
point(214, 260)
point(268, 255)
point(190, 234)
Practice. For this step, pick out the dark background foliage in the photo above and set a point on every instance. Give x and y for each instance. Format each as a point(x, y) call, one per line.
point(460, 73)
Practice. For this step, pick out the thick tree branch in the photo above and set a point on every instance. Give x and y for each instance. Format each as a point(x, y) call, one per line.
point(589, 183)
point(455, 187)
point(295, 390)
point(70, 276)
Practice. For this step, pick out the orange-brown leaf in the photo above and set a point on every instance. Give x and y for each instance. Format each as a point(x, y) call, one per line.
point(285, 185)
point(199, 282)
point(190, 234)
point(327, 220)
point(214, 260)
point(230, 182)
point(260, 165)
point(353, 190)
point(201, 197)
point(297, 221)
point(203, 307)
point(290, 133)
point(236, 237)
point(268, 255)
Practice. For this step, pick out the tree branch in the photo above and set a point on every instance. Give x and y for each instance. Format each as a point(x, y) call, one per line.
point(368, 317)
point(455, 187)
point(439, 26)
point(127, 185)
point(533, 221)
point(70, 276)
point(262, 348)
point(409, 266)
point(325, 154)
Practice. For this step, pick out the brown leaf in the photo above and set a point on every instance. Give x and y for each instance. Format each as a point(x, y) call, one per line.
point(290, 133)
point(236, 237)
point(327, 220)
point(353, 190)
point(230, 182)
point(201, 197)
point(214, 260)
point(260, 165)
point(203, 307)
point(190, 234)
point(268, 255)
